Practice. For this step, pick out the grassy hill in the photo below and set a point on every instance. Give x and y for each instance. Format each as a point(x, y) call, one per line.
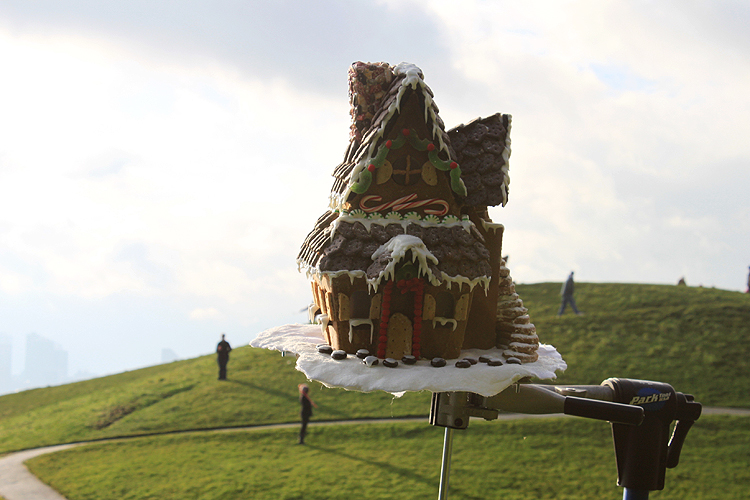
point(696, 339)
point(183, 395)
point(557, 458)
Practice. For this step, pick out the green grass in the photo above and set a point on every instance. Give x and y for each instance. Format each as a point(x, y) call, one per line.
point(262, 388)
point(696, 339)
point(544, 459)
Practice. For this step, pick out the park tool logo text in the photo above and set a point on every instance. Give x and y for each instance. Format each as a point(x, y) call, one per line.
point(657, 397)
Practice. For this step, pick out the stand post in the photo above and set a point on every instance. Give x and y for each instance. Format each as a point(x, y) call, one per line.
point(445, 468)
point(631, 494)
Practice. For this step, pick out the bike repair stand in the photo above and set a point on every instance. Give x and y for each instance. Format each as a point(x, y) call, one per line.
point(640, 412)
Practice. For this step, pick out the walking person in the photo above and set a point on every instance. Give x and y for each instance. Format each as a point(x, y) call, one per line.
point(748, 281)
point(567, 296)
point(305, 411)
point(222, 357)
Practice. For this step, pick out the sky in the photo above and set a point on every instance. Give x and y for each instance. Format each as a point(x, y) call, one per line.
point(161, 162)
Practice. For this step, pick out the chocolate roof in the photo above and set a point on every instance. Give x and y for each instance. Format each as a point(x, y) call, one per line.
point(460, 253)
point(482, 148)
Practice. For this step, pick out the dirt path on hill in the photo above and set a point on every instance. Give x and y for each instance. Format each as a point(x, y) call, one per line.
point(17, 483)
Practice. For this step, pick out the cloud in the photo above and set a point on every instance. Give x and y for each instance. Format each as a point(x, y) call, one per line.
point(205, 313)
point(620, 125)
point(304, 43)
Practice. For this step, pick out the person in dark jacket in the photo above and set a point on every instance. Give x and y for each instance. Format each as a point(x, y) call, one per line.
point(567, 296)
point(222, 356)
point(305, 411)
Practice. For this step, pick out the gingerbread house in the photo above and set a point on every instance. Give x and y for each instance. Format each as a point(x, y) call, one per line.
point(406, 260)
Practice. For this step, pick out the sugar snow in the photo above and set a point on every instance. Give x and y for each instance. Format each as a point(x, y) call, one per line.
point(352, 374)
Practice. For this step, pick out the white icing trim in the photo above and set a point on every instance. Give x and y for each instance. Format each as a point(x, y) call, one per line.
point(443, 321)
point(382, 221)
point(374, 283)
point(412, 72)
point(324, 321)
point(311, 271)
point(358, 322)
point(461, 280)
point(418, 246)
point(506, 163)
point(490, 226)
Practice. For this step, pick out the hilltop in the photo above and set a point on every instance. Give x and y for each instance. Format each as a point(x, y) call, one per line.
point(696, 339)
point(692, 338)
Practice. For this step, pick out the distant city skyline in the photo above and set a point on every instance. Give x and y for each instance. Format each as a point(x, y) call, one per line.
point(41, 362)
point(6, 373)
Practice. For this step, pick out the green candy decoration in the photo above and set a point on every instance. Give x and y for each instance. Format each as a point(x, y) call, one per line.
point(365, 177)
point(380, 157)
point(398, 142)
point(457, 184)
point(417, 143)
point(437, 162)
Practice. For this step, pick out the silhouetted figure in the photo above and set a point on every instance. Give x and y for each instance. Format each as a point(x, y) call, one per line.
point(567, 296)
point(306, 410)
point(682, 282)
point(748, 281)
point(222, 356)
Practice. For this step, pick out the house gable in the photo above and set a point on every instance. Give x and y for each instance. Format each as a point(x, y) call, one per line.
point(367, 142)
point(406, 175)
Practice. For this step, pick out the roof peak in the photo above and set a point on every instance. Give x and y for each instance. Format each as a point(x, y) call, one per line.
point(376, 93)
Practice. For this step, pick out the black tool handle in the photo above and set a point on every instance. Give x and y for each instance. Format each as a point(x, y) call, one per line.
point(688, 411)
point(679, 434)
point(604, 410)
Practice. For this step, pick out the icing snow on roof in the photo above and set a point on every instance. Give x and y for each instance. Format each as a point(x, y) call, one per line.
point(395, 250)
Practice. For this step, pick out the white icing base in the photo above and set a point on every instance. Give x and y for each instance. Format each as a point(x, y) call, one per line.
point(352, 374)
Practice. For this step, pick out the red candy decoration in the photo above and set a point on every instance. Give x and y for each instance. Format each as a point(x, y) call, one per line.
point(430, 147)
point(371, 167)
point(406, 132)
point(388, 143)
point(454, 165)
